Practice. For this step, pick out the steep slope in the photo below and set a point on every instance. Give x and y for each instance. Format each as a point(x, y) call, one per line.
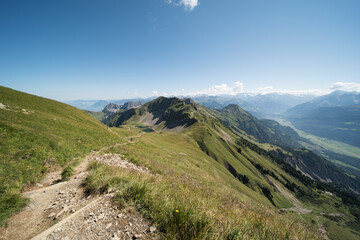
point(170, 114)
point(111, 108)
point(188, 195)
point(230, 123)
point(130, 105)
point(258, 168)
point(268, 131)
point(265, 131)
point(38, 135)
point(204, 182)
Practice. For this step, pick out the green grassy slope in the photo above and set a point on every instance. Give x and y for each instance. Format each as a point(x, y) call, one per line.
point(207, 181)
point(255, 167)
point(191, 195)
point(262, 131)
point(38, 134)
point(100, 116)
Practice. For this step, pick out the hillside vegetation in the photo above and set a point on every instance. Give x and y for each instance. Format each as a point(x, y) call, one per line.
point(192, 196)
point(206, 181)
point(38, 135)
point(260, 169)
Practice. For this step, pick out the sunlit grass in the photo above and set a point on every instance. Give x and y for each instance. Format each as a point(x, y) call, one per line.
point(37, 135)
point(189, 195)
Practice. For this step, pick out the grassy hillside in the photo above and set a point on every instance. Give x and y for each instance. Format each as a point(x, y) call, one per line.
point(265, 131)
point(100, 116)
point(190, 195)
point(38, 135)
point(260, 171)
point(268, 131)
point(206, 181)
point(210, 195)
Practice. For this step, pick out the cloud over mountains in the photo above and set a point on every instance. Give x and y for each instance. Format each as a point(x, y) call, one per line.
point(187, 4)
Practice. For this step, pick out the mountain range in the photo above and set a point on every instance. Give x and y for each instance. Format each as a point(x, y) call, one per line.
point(335, 116)
point(192, 171)
point(176, 115)
point(260, 105)
point(99, 105)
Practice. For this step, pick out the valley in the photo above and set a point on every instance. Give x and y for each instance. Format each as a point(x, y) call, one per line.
point(179, 120)
point(170, 168)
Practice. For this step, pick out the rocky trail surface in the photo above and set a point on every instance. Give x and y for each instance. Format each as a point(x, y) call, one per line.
point(61, 210)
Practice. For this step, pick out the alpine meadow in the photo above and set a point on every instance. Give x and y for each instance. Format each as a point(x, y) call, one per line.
point(179, 119)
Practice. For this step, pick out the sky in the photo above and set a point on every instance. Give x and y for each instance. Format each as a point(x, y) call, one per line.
point(114, 49)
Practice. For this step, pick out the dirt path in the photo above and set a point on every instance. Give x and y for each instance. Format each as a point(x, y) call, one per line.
point(298, 207)
point(62, 211)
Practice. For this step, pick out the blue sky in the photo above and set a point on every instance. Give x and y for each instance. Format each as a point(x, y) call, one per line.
point(112, 49)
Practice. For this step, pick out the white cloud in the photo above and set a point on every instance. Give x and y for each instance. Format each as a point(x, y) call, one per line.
point(221, 89)
point(237, 88)
point(270, 89)
point(345, 86)
point(188, 4)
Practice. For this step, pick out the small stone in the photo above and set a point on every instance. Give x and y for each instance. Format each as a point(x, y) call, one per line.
point(91, 214)
point(152, 229)
point(66, 208)
point(108, 226)
point(114, 237)
point(136, 236)
point(59, 214)
point(101, 216)
point(52, 215)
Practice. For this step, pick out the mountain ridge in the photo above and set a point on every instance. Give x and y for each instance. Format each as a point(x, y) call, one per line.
point(209, 172)
point(166, 114)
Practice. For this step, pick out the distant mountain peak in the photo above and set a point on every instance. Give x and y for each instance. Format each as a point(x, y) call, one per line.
point(130, 105)
point(114, 108)
point(111, 108)
point(164, 113)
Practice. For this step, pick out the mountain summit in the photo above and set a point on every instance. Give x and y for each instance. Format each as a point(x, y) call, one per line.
point(167, 114)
